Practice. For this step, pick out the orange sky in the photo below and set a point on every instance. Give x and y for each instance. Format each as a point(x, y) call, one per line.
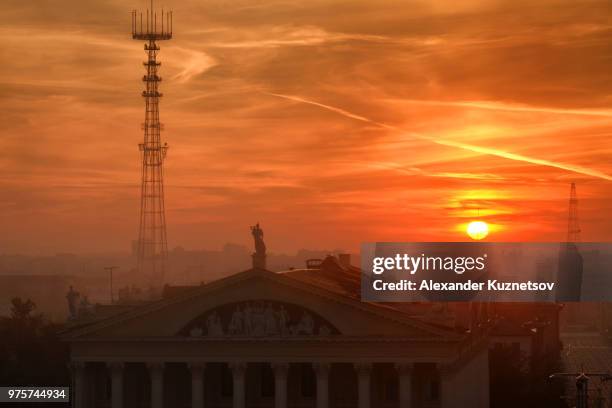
point(331, 123)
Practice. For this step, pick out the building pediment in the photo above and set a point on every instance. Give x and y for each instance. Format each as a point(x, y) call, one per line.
point(257, 318)
point(259, 304)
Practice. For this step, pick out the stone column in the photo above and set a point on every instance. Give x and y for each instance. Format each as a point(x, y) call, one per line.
point(79, 392)
point(280, 384)
point(116, 373)
point(448, 399)
point(156, 371)
point(197, 384)
point(484, 378)
point(238, 374)
point(404, 374)
point(363, 384)
point(322, 371)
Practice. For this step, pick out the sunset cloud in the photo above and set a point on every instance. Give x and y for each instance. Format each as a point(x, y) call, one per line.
point(469, 147)
point(330, 122)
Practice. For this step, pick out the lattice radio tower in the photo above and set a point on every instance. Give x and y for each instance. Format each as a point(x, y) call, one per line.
point(152, 245)
point(573, 229)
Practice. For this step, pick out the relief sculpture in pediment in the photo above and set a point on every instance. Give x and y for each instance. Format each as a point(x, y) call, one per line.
point(259, 318)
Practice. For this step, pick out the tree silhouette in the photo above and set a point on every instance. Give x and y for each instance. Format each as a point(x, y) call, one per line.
point(21, 310)
point(31, 352)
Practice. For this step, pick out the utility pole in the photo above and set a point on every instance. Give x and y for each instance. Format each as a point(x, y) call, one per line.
point(110, 270)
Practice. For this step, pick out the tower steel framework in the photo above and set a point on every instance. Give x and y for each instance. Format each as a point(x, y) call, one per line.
point(573, 228)
point(152, 245)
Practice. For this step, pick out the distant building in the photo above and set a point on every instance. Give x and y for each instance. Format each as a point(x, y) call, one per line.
point(533, 328)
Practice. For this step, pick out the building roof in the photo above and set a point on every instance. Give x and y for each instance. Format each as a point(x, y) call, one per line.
point(321, 283)
point(331, 275)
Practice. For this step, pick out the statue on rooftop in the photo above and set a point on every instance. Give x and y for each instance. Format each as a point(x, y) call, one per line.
point(259, 256)
point(260, 246)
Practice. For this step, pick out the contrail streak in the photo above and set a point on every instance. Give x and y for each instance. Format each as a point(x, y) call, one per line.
point(510, 108)
point(450, 143)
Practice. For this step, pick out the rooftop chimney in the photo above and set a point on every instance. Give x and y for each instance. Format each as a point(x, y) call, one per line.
point(345, 260)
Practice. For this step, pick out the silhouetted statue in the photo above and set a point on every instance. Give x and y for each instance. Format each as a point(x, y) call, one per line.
point(213, 325)
point(236, 325)
point(73, 298)
point(260, 246)
point(259, 256)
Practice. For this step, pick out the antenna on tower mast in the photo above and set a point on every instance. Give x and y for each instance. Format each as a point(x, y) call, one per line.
point(152, 245)
point(148, 30)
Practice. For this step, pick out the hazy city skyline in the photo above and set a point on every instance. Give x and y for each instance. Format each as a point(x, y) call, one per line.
point(330, 123)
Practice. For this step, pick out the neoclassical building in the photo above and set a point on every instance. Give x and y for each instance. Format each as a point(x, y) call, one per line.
point(259, 339)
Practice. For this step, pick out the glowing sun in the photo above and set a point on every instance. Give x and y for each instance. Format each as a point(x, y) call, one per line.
point(477, 230)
